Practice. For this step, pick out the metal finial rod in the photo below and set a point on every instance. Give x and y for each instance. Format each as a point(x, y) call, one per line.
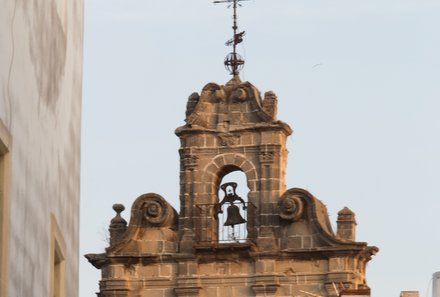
point(233, 61)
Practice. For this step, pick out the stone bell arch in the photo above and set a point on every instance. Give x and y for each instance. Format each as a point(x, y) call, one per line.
point(214, 172)
point(231, 128)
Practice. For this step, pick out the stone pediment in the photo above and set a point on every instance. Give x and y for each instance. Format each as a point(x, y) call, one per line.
point(234, 106)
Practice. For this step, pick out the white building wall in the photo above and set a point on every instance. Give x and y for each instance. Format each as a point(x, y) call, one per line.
point(436, 284)
point(40, 106)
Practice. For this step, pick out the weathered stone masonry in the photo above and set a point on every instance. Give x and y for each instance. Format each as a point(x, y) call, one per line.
point(290, 249)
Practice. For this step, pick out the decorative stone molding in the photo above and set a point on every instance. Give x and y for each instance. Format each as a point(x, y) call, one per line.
point(187, 291)
point(291, 207)
point(239, 95)
point(97, 260)
point(189, 161)
point(265, 289)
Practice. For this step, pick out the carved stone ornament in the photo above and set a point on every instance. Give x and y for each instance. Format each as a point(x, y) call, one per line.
point(227, 139)
point(196, 120)
point(291, 207)
point(193, 99)
point(270, 104)
point(267, 157)
point(155, 211)
point(239, 95)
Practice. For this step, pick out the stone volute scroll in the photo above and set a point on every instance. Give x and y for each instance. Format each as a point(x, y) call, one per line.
point(155, 211)
point(152, 227)
point(291, 207)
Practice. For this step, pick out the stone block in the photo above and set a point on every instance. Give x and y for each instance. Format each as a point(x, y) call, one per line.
point(267, 137)
point(247, 167)
point(265, 220)
point(337, 264)
point(195, 141)
point(165, 270)
point(247, 139)
point(307, 242)
point(302, 266)
point(210, 140)
point(240, 268)
point(275, 186)
point(241, 292)
point(409, 294)
point(294, 242)
point(206, 269)
point(154, 293)
point(229, 159)
point(224, 291)
point(266, 244)
point(149, 271)
point(238, 160)
point(247, 118)
point(169, 292)
point(235, 118)
point(219, 162)
point(266, 208)
point(236, 107)
point(210, 292)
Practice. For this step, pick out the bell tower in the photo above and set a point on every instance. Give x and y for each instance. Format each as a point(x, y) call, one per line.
point(229, 128)
point(286, 245)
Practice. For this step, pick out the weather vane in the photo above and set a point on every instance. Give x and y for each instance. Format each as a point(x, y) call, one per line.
point(233, 61)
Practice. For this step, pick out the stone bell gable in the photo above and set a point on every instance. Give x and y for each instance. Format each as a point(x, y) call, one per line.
point(278, 242)
point(230, 128)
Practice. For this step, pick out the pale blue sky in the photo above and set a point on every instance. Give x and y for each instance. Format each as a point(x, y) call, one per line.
point(366, 120)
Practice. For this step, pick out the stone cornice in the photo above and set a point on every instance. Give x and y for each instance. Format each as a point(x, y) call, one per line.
point(355, 250)
point(273, 126)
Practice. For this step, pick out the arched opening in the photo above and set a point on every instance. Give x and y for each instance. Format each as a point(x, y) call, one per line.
point(232, 208)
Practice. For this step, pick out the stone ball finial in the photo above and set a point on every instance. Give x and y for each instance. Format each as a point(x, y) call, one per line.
point(118, 208)
point(118, 225)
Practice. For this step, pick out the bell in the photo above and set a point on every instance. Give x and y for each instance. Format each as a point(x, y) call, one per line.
point(234, 216)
